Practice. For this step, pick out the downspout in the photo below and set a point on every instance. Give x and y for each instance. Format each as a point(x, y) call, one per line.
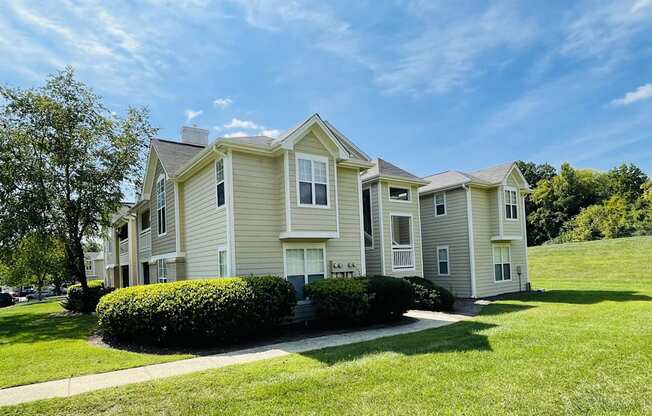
point(469, 216)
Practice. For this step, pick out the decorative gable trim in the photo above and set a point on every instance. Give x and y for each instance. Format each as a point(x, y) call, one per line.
point(300, 132)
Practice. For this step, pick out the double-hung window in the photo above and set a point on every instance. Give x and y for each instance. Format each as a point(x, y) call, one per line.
point(511, 204)
point(162, 271)
point(222, 262)
point(160, 206)
point(313, 180)
point(399, 194)
point(440, 204)
point(88, 264)
point(502, 263)
point(219, 181)
point(303, 266)
point(443, 263)
point(366, 214)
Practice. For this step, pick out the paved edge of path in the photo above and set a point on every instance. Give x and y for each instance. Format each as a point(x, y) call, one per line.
point(83, 384)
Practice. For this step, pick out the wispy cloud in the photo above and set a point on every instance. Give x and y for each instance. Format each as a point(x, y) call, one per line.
point(271, 133)
point(191, 114)
point(644, 92)
point(222, 103)
point(236, 123)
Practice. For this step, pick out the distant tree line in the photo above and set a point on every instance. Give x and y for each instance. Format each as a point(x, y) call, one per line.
point(582, 204)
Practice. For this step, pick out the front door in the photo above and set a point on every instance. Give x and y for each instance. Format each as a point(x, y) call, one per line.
point(125, 276)
point(145, 273)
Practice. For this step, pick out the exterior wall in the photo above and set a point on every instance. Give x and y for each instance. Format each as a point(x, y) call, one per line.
point(99, 270)
point(373, 254)
point(204, 225)
point(512, 227)
point(309, 218)
point(450, 230)
point(166, 243)
point(394, 207)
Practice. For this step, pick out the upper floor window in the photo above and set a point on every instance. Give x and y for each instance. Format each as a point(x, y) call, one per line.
point(219, 180)
point(440, 204)
point(511, 204)
point(144, 221)
point(366, 214)
point(399, 194)
point(313, 180)
point(160, 204)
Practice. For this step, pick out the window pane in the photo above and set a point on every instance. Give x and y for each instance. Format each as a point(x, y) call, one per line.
point(507, 274)
point(305, 170)
point(443, 267)
point(320, 172)
point(508, 211)
point(222, 263)
point(305, 192)
point(505, 254)
point(315, 261)
point(443, 254)
point(321, 197)
point(398, 194)
point(441, 209)
point(219, 170)
point(295, 264)
point(496, 255)
point(514, 212)
point(298, 284)
point(498, 272)
point(439, 199)
point(220, 194)
point(401, 231)
point(144, 220)
point(315, 277)
point(366, 213)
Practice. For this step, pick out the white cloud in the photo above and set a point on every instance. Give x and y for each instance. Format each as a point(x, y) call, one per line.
point(271, 133)
point(236, 123)
point(643, 92)
point(236, 134)
point(222, 103)
point(191, 114)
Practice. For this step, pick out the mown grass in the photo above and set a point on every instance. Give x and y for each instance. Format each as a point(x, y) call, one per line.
point(582, 347)
point(38, 343)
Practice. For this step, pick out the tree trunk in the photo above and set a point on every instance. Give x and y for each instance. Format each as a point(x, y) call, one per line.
point(75, 261)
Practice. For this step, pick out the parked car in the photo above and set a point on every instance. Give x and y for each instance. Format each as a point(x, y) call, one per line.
point(6, 300)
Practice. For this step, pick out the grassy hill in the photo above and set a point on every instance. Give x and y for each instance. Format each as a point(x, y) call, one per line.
point(582, 347)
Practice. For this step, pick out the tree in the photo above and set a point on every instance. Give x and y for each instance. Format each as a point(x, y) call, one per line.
point(63, 159)
point(627, 180)
point(534, 173)
point(92, 246)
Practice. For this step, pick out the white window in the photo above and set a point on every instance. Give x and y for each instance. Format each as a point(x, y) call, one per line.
point(160, 206)
point(367, 219)
point(222, 262)
point(443, 263)
point(219, 181)
point(162, 271)
point(440, 204)
point(88, 264)
point(511, 204)
point(502, 263)
point(303, 266)
point(312, 180)
point(399, 194)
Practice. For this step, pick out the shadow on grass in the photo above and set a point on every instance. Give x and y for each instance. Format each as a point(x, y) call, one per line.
point(579, 297)
point(40, 327)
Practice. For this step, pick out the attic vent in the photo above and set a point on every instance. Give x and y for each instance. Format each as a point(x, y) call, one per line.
point(194, 135)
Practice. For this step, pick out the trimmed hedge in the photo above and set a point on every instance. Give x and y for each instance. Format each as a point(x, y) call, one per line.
point(389, 297)
point(339, 301)
point(429, 296)
point(85, 301)
point(196, 312)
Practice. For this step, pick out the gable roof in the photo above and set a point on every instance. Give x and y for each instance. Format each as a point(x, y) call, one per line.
point(94, 255)
point(174, 155)
point(386, 170)
point(489, 177)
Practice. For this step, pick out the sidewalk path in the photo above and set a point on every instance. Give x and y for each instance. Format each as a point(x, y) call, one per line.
point(83, 384)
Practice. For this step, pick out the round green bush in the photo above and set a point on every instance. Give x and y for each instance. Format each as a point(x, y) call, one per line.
point(196, 312)
point(84, 301)
point(389, 297)
point(429, 296)
point(339, 301)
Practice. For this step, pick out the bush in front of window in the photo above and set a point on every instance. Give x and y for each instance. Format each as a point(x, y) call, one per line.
point(339, 301)
point(84, 301)
point(428, 296)
point(389, 297)
point(196, 312)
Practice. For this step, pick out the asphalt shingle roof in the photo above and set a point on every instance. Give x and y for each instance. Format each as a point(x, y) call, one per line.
point(384, 168)
point(453, 178)
point(174, 155)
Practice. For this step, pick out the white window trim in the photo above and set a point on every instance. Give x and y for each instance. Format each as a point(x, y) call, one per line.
point(226, 266)
point(223, 206)
point(90, 272)
point(158, 271)
point(312, 158)
point(371, 217)
point(304, 247)
point(161, 178)
point(515, 190)
point(493, 262)
point(434, 201)
point(448, 260)
point(411, 245)
point(389, 194)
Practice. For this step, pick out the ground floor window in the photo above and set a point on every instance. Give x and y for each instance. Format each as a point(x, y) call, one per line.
point(303, 266)
point(502, 263)
point(443, 261)
point(222, 262)
point(162, 271)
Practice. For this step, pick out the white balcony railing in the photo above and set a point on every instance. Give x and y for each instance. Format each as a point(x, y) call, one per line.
point(145, 240)
point(124, 251)
point(402, 258)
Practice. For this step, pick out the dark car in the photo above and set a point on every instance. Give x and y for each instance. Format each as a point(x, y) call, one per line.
point(6, 300)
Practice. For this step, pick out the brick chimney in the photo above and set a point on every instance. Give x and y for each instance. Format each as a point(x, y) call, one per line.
point(194, 135)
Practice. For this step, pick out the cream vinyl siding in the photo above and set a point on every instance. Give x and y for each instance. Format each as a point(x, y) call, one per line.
point(448, 230)
point(258, 214)
point(396, 207)
point(373, 259)
point(310, 218)
point(204, 227)
point(511, 227)
point(166, 243)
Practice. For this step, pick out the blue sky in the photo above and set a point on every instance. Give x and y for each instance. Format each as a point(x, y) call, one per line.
point(427, 85)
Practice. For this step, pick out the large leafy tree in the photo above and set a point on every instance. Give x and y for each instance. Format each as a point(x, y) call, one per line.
point(63, 160)
point(627, 180)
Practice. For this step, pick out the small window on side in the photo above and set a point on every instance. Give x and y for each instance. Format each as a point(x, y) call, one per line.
point(399, 194)
point(440, 204)
point(219, 181)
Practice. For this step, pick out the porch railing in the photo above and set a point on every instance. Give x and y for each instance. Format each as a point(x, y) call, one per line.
point(145, 240)
point(402, 258)
point(124, 251)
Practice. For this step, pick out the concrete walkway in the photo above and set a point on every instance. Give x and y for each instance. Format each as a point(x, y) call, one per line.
point(83, 384)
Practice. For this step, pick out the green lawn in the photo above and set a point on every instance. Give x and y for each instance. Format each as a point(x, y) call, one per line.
point(583, 347)
point(37, 345)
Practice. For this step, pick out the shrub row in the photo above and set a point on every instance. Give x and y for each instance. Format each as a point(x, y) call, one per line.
point(429, 296)
point(84, 301)
point(196, 312)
